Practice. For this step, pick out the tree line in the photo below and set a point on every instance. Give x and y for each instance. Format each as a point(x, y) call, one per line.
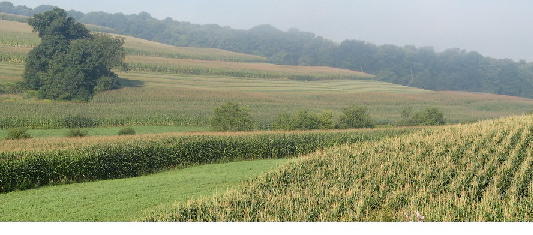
point(423, 67)
point(233, 117)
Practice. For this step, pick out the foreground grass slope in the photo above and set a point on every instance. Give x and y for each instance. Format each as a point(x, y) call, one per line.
point(128, 199)
point(475, 172)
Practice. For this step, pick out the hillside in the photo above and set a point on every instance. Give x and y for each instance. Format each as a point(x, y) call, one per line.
point(452, 69)
point(476, 172)
point(169, 85)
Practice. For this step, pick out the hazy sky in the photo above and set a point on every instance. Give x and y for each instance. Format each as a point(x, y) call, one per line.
point(495, 28)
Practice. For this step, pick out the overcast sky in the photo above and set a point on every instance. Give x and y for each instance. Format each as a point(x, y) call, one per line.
point(495, 28)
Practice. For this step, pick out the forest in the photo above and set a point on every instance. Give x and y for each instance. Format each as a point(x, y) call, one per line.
point(422, 67)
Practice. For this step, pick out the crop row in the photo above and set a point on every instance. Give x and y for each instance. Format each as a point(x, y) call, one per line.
point(196, 56)
point(70, 121)
point(192, 70)
point(30, 169)
point(475, 172)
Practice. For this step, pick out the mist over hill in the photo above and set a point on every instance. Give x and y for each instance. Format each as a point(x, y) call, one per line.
point(422, 67)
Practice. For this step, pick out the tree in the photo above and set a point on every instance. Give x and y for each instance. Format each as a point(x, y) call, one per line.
point(426, 117)
point(429, 116)
point(71, 63)
point(304, 120)
point(355, 117)
point(231, 117)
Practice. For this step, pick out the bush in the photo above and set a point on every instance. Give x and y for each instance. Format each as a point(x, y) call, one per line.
point(355, 117)
point(127, 131)
point(304, 120)
point(231, 117)
point(429, 116)
point(426, 117)
point(17, 134)
point(77, 133)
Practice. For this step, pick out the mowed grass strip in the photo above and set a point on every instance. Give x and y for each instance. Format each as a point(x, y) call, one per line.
point(128, 199)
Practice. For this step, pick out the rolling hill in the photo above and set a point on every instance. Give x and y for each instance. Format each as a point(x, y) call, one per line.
point(169, 85)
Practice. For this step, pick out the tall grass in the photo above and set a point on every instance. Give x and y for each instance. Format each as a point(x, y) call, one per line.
point(475, 172)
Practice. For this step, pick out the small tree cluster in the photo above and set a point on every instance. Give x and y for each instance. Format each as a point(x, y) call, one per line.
point(304, 120)
point(352, 117)
point(231, 117)
point(71, 63)
point(76, 133)
point(126, 131)
point(355, 117)
point(425, 117)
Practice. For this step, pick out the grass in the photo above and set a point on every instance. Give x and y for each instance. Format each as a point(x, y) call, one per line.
point(127, 199)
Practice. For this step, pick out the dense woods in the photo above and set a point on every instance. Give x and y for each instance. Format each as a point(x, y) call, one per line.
point(423, 67)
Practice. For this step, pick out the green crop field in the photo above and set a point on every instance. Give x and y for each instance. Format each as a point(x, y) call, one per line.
point(162, 89)
point(150, 98)
point(127, 199)
point(474, 172)
point(478, 170)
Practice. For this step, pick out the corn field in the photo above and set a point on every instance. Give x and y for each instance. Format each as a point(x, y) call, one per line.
point(475, 172)
point(29, 169)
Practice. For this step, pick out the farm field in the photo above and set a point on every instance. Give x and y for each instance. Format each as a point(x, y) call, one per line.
point(473, 172)
point(174, 169)
point(111, 131)
point(174, 86)
point(128, 199)
point(133, 197)
point(174, 99)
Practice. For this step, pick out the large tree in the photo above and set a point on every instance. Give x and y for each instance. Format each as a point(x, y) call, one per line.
point(71, 63)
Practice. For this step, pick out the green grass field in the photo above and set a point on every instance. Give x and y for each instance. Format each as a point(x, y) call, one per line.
point(128, 199)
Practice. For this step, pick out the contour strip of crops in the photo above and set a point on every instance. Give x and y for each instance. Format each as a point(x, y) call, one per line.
point(29, 169)
point(475, 172)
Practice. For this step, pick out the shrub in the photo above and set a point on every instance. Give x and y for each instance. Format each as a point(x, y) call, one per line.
point(17, 134)
point(284, 121)
point(127, 131)
point(231, 117)
point(77, 133)
point(355, 117)
point(426, 117)
point(78, 121)
point(429, 116)
point(304, 120)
